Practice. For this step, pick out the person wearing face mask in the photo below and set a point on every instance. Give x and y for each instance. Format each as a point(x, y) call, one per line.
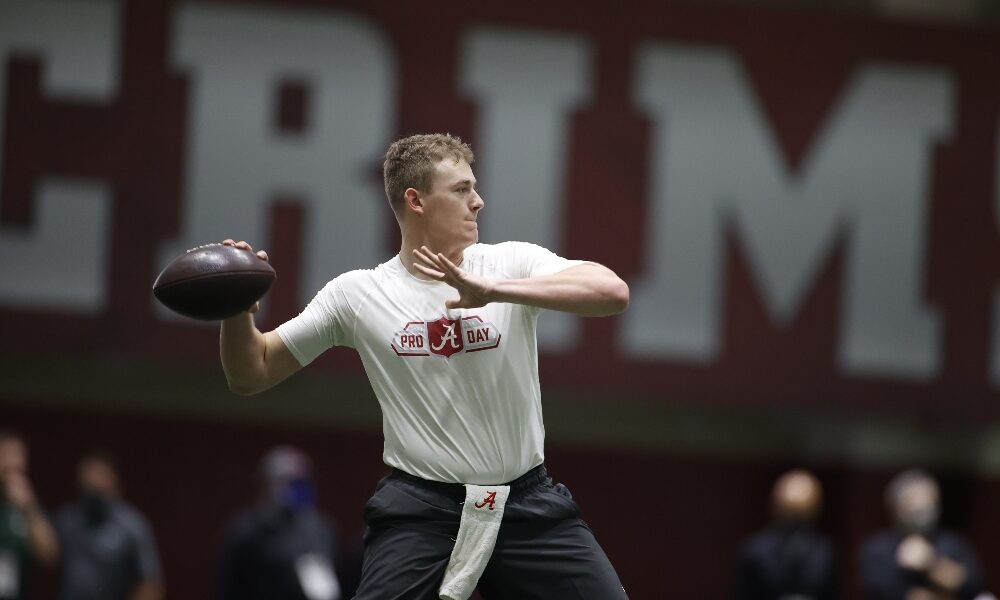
point(108, 549)
point(789, 560)
point(282, 547)
point(917, 559)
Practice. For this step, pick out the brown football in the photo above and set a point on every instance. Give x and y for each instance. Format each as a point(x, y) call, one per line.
point(213, 282)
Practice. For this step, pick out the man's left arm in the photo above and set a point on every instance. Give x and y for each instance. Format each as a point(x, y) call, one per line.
point(587, 289)
point(150, 575)
point(590, 290)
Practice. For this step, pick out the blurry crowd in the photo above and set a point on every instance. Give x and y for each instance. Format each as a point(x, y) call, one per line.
point(102, 548)
point(913, 559)
point(282, 547)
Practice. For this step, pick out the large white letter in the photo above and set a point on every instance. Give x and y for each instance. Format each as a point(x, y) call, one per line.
point(526, 85)
point(61, 261)
point(864, 182)
point(238, 162)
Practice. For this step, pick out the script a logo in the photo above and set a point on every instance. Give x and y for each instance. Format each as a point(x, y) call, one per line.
point(490, 499)
point(445, 337)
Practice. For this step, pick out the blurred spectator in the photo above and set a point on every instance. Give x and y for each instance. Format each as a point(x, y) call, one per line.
point(26, 536)
point(108, 551)
point(282, 548)
point(917, 560)
point(789, 559)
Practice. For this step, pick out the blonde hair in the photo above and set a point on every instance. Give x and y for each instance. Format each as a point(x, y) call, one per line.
point(410, 161)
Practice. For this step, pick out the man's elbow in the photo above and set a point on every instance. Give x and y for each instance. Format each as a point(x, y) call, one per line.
point(616, 297)
point(244, 388)
point(619, 297)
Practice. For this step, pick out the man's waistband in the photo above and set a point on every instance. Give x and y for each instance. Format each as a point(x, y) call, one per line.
point(530, 479)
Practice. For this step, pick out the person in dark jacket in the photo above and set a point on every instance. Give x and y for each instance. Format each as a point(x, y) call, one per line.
point(789, 558)
point(916, 559)
point(282, 548)
point(108, 549)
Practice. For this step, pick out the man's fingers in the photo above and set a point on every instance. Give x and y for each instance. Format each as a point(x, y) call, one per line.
point(419, 254)
point(429, 257)
point(240, 244)
point(453, 303)
point(445, 263)
point(432, 256)
point(428, 271)
point(262, 255)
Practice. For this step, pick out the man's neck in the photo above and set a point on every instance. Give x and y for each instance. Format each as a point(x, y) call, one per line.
point(411, 243)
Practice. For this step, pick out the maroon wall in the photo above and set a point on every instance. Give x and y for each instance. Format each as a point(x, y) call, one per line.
point(798, 65)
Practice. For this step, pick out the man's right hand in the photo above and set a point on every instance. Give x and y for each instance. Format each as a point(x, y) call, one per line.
point(915, 553)
point(253, 361)
point(19, 491)
point(260, 254)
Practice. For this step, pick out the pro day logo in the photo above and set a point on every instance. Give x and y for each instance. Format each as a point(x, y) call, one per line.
point(445, 337)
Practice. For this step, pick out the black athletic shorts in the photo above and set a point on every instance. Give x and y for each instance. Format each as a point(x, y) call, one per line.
point(543, 551)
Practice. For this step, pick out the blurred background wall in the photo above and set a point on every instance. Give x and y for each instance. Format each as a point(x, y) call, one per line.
point(803, 197)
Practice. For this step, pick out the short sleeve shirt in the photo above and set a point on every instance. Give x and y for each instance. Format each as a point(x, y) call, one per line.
point(105, 559)
point(458, 388)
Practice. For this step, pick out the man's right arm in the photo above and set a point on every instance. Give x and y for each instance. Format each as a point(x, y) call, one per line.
point(253, 361)
point(42, 539)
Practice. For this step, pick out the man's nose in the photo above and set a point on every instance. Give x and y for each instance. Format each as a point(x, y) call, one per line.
point(477, 202)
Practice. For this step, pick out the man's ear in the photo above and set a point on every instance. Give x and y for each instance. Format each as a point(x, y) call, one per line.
point(413, 201)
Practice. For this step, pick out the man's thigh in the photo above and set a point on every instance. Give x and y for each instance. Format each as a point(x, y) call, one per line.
point(404, 563)
point(555, 559)
point(409, 541)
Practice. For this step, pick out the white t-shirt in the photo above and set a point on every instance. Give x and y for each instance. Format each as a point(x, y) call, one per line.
point(458, 388)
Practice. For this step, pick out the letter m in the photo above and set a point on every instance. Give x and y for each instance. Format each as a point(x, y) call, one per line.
point(864, 183)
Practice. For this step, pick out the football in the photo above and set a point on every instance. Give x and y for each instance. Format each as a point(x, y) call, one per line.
point(213, 282)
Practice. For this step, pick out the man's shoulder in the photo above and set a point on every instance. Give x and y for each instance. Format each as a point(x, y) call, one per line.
point(68, 515)
point(880, 542)
point(361, 279)
point(507, 257)
point(508, 247)
point(948, 538)
point(245, 523)
point(130, 518)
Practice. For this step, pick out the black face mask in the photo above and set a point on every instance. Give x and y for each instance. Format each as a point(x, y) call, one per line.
point(96, 506)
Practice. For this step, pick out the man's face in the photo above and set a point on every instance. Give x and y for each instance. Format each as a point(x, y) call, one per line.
point(452, 206)
point(918, 506)
point(13, 457)
point(97, 476)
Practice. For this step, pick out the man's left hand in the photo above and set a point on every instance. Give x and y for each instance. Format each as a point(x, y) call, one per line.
point(473, 291)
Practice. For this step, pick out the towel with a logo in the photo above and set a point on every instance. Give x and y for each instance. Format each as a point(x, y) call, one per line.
point(477, 534)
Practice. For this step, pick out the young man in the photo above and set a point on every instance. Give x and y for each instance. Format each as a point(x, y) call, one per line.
point(108, 549)
point(446, 332)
